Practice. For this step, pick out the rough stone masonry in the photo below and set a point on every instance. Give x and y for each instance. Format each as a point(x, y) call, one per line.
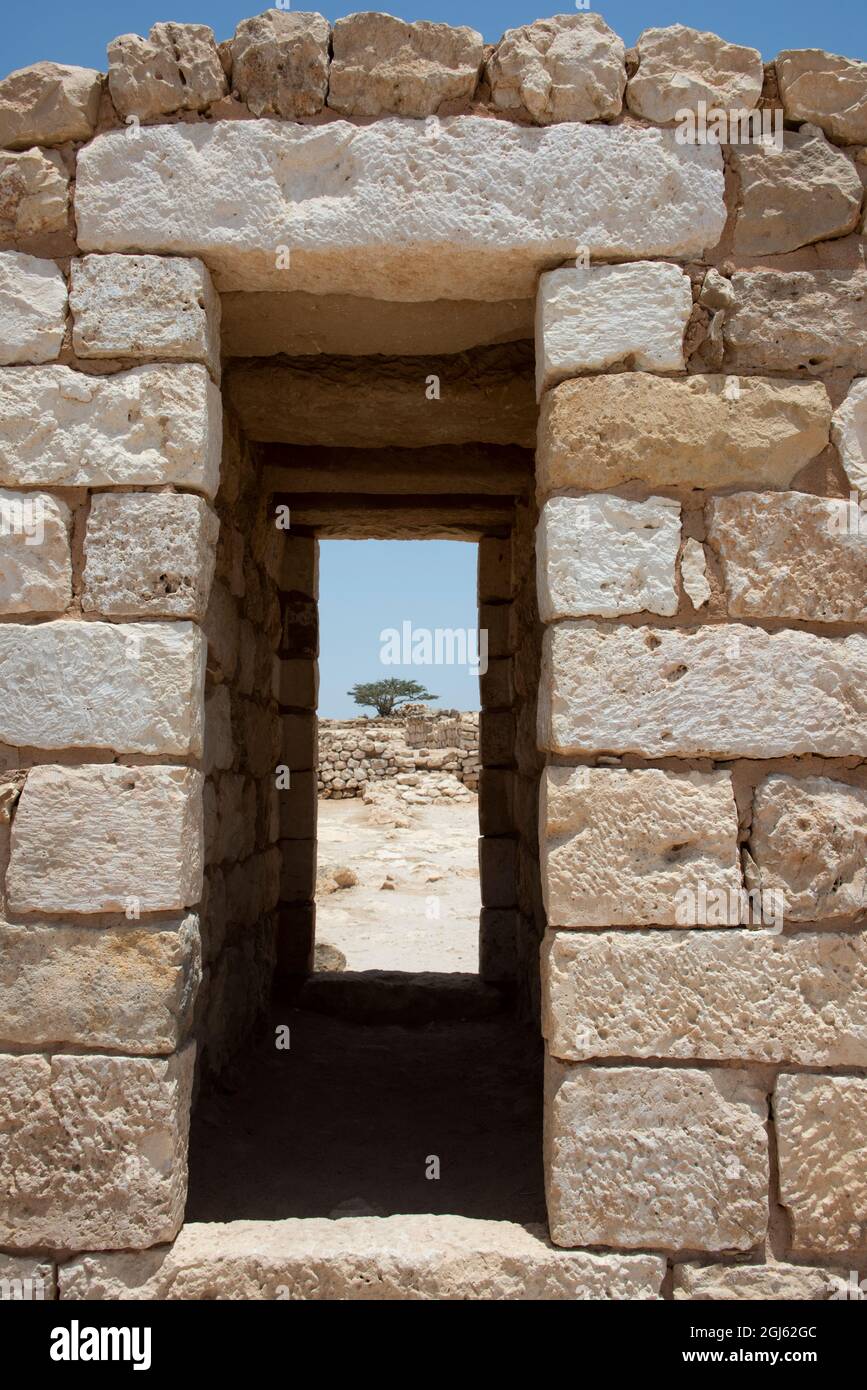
point(209, 232)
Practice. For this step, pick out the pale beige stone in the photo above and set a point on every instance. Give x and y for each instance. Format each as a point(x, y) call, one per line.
point(363, 1258)
point(693, 572)
point(678, 67)
point(35, 557)
point(849, 433)
point(809, 843)
point(789, 555)
point(662, 1158)
point(104, 838)
point(150, 425)
point(149, 555)
point(794, 196)
point(25, 1278)
point(566, 68)
point(777, 1282)
point(823, 88)
point(702, 432)
point(813, 320)
point(618, 845)
point(127, 987)
point(135, 688)
point(48, 104)
point(382, 66)
point(94, 1150)
point(161, 307)
point(725, 691)
point(34, 195)
point(280, 63)
point(821, 1124)
point(32, 308)
point(748, 996)
point(177, 68)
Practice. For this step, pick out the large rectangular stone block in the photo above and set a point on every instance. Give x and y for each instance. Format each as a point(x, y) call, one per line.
point(808, 845)
point(94, 1150)
point(662, 1158)
point(712, 996)
point(35, 554)
point(127, 987)
point(766, 1283)
point(725, 691)
point(821, 1124)
point(107, 839)
point(462, 208)
point(149, 425)
point(618, 847)
point(32, 308)
point(815, 320)
point(149, 555)
point(135, 688)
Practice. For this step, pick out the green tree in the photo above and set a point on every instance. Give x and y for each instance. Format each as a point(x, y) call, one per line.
point(385, 696)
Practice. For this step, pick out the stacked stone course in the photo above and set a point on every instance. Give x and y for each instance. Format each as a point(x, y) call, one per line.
point(354, 753)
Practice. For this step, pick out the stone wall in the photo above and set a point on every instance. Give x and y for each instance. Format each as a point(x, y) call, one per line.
point(427, 758)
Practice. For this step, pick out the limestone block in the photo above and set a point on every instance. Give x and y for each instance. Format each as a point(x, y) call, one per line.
point(219, 751)
point(794, 196)
point(150, 425)
point(128, 987)
point(809, 843)
point(498, 945)
point(34, 195)
point(678, 67)
point(617, 846)
point(94, 1150)
point(823, 88)
point(748, 996)
point(26, 1277)
point(32, 308)
point(497, 870)
point(663, 1158)
point(104, 838)
point(135, 688)
point(280, 63)
point(494, 569)
point(149, 555)
point(724, 1283)
point(606, 555)
point(849, 433)
point(383, 66)
point(177, 68)
point(48, 104)
point(362, 209)
point(566, 68)
point(693, 572)
point(35, 558)
point(588, 319)
point(707, 431)
point(726, 691)
point(815, 320)
point(789, 555)
point(161, 307)
point(821, 1124)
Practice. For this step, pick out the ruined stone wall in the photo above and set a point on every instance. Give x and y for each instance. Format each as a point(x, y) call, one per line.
point(427, 763)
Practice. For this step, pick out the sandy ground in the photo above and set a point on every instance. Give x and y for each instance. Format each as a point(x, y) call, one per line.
point(430, 919)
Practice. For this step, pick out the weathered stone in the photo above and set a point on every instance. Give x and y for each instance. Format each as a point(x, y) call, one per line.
point(361, 208)
point(32, 308)
point(26, 1277)
point(589, 319)
point(107, 839)
point(821, 1124)
point(746, 996)
point(48, 104)
point(135, 688)
point(362, 1257)
point(663, 1158)
point(702, 432)
point(789, 555)
point(177, 68)
point(280, 63)
point(566, 68)
point(149, 555)
point(382, 66)
point(94, 1150)
point(809, 843)
point(728, 691)
point(693, 572)
point(162, 307)
point(678, 67)
point(849, 433)
point(34, 196)
point(219, 747)
point(823, 88)
point(794, 196)
point(724, 1283)
point(606, 555)
point(617, 846)
point(150, 425)
point(35, 558)
point(125, 988)
point(814, 320)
